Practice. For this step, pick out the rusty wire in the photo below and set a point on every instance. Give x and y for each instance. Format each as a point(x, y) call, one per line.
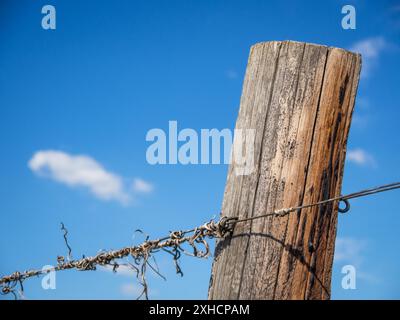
point(140, 254)
point(171, 244)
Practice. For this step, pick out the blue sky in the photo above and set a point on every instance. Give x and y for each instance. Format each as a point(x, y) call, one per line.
point(111, 71)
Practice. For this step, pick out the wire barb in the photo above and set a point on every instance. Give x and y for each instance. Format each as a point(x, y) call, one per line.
point(69, 257)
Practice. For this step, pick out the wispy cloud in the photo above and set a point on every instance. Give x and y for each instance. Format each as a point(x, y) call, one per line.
point(395, 8)
point(394, 16)
point(370, 49)
point(122, 270)
point(232, 74)
point(82, 171)
point(349, 250)
point(360, 157)
point(363, 103)
point(139, 185)
point(131, 290)
point(360, 120)
point(352, 251)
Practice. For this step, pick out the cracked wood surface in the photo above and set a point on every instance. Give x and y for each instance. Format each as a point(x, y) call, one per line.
point(299, 98)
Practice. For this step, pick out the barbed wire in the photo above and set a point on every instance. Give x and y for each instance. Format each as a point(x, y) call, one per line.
point(172, 244)
point(140, 254)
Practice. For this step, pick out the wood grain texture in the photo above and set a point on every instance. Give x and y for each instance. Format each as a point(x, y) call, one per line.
point(299, 98)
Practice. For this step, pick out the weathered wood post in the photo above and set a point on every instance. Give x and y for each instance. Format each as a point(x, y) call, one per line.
point(299, 98)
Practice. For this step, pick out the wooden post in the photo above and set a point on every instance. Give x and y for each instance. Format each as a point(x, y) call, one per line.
point(299, 98)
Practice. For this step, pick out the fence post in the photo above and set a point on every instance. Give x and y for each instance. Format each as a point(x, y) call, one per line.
point(299, 98)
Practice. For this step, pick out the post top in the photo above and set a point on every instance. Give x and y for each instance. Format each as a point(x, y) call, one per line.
point(262, 43)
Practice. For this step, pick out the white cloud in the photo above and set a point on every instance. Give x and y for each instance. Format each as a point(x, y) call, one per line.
point(371, 47)
point(349, 250)
point(122, 270)
point(80, 171)
point(370, 50)
point(363, 103)
point(232, 74)
point(139, 185)
point(360, 157)
point(131, 290)
point(360, 120)
point(395, 8)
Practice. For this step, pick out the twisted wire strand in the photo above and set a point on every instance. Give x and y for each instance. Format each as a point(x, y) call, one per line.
point(344, 198)
point(140, 254)
point(171, 244)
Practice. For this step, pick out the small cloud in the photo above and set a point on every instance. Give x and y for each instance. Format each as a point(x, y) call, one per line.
point(131, 290)
point(122, 270)
point(395, 8)
point(368, 277)
point(232, 74)
point(349, 250)
point(361, 121)
point(85, 172)
point(370, 50)
point(360, 157)
point(142, 186)
point(363, 103)
point(394, 16)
